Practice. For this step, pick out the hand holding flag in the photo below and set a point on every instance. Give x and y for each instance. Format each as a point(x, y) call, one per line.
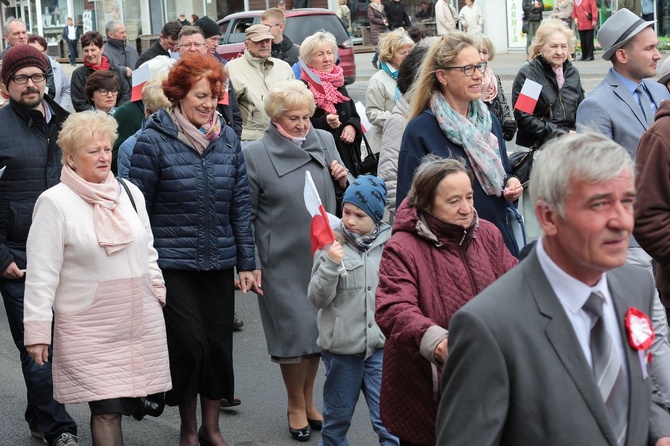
point(321, 232)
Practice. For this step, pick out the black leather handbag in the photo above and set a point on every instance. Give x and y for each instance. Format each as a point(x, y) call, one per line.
point(371, 162)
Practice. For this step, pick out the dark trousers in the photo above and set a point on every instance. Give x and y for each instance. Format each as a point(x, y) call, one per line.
point(72, 47)
point(42, 409)
point(586, 39)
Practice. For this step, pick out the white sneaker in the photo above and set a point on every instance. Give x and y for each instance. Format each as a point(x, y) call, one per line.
point(67, 439)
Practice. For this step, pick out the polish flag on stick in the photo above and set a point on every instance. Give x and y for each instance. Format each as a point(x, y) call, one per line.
point(321, 232)
point(140, 77)
point(365, 123)
point(527, 99)
point(313, 79)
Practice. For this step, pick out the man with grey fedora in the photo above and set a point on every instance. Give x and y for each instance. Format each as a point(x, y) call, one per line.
point(622, 107)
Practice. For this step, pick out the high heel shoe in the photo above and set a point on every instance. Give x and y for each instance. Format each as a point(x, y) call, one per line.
point(302, 434)
point(316, 425)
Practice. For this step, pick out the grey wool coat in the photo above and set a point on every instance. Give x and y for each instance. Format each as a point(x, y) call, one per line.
point(276, 171)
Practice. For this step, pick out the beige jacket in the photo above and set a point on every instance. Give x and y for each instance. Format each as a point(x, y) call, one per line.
point(446, 17)
point(252, 78)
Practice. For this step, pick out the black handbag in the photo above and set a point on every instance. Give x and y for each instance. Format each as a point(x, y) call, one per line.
point(522, 164)
point(371, 162)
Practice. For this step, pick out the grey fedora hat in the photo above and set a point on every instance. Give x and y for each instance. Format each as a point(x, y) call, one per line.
point(622, 26)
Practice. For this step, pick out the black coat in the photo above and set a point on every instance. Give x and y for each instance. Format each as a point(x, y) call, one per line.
point(396, 15)
point(556, 110)
point(286, 51)
point(154, 50)
point(31, 158)
point(82, 103)
point(531, 13)
point(350, 153)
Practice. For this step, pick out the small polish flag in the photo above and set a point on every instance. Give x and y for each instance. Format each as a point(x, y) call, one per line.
point(140, 77)
point(321, 232)
point(313, 79)
point(527, 99)
point(365, 123)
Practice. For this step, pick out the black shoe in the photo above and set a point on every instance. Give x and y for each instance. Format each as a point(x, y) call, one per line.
point(302, 434)
point(36, 432)
point(237, 323)
point(316, 425)
point(225, 403)
point(589, 59)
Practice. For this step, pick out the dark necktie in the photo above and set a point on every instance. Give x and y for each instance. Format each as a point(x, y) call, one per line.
point(645, 105)
point(607, 369)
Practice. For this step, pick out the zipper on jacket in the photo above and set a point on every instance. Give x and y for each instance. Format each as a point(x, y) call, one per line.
point(461, 253)
point(207, 263)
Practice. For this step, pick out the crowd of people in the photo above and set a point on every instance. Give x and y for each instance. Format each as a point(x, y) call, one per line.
point(126, 226)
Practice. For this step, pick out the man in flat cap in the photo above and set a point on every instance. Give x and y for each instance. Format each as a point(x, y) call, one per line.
point(252, 75)
point(31, 161)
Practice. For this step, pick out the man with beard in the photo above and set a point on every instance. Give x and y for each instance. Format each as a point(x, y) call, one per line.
point(31, 160)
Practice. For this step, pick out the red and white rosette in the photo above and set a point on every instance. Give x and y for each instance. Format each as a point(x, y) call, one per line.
point(640, 330)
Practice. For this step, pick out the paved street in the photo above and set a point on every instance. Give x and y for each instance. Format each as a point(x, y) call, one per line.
point(261, 419)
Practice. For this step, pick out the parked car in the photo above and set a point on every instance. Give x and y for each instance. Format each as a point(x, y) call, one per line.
point(300, 23)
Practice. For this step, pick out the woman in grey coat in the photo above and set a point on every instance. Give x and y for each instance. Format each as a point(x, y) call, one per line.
point(276, 166)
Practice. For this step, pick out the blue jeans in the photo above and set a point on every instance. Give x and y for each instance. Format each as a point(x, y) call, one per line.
point(346, 377)
point(72, 47)
point(42, 410)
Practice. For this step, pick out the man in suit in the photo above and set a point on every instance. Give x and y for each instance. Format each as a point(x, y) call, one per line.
point(616, 107)
point(543, 356)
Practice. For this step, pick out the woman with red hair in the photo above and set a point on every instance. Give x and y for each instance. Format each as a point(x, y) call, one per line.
point(94, 60)
point(190, 167)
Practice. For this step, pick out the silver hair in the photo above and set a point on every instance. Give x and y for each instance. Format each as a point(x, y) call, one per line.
point(11, 20)
point(112, 25)
point(589, 157)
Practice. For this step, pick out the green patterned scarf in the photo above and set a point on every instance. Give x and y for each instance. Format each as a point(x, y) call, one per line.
point(474, 135)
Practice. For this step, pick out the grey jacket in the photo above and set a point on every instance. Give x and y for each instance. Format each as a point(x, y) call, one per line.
point(394, 127)
point(346, 319)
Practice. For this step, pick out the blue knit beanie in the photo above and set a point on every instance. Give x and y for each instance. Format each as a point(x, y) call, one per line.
point(368, 193)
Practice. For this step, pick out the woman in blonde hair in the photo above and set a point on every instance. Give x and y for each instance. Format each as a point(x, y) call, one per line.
point(382, 92)
point(335, 111)
point(448, 118)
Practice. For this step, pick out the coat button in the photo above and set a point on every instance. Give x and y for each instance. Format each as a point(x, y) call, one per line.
point(369, 288)
point(369, 325)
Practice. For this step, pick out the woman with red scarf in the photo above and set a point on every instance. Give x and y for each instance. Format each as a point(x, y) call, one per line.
point(94, 60)
point(335, 111)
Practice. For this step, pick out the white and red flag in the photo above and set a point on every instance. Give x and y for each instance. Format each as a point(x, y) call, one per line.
point(321, 233)
point(527, 100)
point(140, 77)
point(365, 123)
point(313, 79)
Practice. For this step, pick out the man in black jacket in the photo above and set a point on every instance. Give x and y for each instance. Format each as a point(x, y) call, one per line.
point(31, 160)
point(117, 49)
point(282, 47)
point(532, 13)
point(168, 39)
point(396, 15)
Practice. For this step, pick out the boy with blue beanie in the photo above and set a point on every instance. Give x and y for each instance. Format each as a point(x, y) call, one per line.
point(352, 343)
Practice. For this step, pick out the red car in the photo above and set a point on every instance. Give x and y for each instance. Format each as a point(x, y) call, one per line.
point(300, 23)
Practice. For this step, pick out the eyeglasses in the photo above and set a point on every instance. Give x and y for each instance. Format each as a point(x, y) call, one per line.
point(23, 79)
point(469, 70)
point(106, 92)
point(192, 45)
point(484, 52)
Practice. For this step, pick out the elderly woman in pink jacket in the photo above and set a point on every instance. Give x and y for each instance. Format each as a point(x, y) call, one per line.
point(92, 270)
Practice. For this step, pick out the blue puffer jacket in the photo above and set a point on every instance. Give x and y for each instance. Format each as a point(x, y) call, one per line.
point(198, 205)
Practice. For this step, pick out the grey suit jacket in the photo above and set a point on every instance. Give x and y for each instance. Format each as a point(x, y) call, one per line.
point(516, 374)
point(614, 112)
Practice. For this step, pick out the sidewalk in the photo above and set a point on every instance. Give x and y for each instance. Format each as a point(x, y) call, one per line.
point(504, 65)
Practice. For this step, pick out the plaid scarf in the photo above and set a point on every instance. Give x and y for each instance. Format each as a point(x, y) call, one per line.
point(363, 242)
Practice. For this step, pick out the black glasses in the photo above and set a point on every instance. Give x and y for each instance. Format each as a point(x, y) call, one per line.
point(469, 70)
point(23, 79)
point(105, 92)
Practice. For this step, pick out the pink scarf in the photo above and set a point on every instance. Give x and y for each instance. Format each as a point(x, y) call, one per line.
point(330, 82)
point(560, 79)
point(489, 86)
point(199, 138)
point(111, 229)
point(294, 139)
